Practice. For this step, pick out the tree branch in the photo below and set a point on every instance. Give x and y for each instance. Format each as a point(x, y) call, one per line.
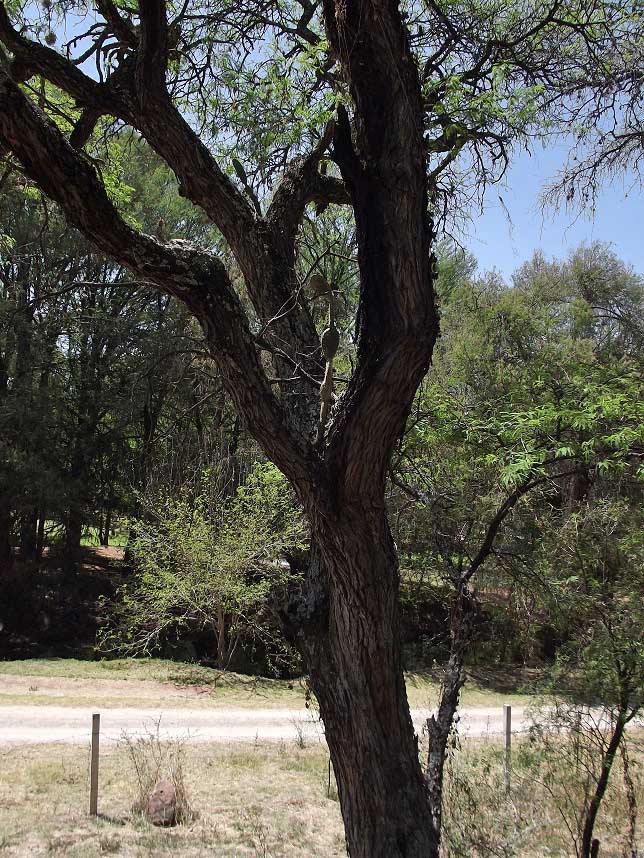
point(301, 184)
point(137, 94)
point(194, 276)
point(500, 516)
point(118, 24)
point(152, 56)
point(383, 163)
point(31, 57)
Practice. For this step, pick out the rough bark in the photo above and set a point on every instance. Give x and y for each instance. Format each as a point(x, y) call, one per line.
point(349, 634)
point(439, 726)
point(354, 660)
point(631, 800)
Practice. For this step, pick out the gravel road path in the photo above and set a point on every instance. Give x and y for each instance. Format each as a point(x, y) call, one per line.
point(37, 724)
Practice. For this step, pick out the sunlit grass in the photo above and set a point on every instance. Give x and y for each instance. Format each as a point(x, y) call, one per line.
point(273, 801)
point(144, 679)
point(55, 534)
point(140, 682)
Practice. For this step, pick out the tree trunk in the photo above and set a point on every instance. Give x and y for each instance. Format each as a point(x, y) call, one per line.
point(28, 538)
point(587, 841)
point(346, 619)
point(40, 534)
point(351, 644)
point(107, 525)
point(6, 552)
point(78, 480)
point(221, 638)
point(631, 801)
point(73, 533)
point(439, 726)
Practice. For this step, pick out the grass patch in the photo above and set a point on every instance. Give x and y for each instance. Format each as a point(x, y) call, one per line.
point(130, 669)
point(90, 537)
point(215, 687)
point(490, 689)
point(140, 682)
point(539, 818)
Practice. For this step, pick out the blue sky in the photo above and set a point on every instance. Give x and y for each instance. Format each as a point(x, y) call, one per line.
point(618, 218)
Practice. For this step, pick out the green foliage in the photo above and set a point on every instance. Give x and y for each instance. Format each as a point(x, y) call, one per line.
point(517, 390)
point(595, 568)
point(206, 564)
point(534, 405)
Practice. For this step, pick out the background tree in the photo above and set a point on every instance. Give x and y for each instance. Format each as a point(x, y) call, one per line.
point(203, 563)
point(534, 410)
point(596, 587)
point(89, 363)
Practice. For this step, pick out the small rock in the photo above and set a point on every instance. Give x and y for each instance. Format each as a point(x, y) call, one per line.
point(162, 804)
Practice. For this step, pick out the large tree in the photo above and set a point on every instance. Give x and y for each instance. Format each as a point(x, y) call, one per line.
point(428, 99)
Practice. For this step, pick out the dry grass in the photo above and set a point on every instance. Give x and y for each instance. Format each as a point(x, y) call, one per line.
point(535, 821)
point(248, 801)
point(140, 683)
point(154, 760)
point(270, 801)
point(492, 689)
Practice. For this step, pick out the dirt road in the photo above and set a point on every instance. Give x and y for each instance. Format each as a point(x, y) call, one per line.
point(72, 725)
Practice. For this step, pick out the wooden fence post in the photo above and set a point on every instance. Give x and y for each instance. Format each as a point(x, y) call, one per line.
point(507, 729)
point(93, 766)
